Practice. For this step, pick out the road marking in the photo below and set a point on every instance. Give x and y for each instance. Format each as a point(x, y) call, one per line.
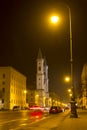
point(27, 124)
point(4, 122)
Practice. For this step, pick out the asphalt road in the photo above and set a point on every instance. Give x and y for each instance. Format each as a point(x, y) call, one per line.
point(21, 120)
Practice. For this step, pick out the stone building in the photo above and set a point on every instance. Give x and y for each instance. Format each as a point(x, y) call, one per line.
point(84, 86)
point(32, 97)
point(12, 88)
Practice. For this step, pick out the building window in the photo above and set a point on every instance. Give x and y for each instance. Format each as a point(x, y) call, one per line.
point(2, 100)
point(39, 68)
point(3, 83)
point(3, 75)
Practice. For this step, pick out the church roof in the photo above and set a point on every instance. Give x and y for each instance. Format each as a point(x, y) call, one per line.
point(39, 54)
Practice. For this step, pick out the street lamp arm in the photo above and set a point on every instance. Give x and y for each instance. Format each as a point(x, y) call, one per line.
point(71, 56)
point(70, 26)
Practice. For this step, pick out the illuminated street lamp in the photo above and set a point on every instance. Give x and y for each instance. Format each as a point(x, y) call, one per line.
point(54, 19)
point(67, 79)
point(69, 90)
point(25, 91)
point(70, 94)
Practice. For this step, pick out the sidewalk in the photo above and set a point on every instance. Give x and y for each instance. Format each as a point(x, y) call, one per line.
point(79, 123)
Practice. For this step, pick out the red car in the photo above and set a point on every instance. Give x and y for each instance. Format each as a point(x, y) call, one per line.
point(36, 114)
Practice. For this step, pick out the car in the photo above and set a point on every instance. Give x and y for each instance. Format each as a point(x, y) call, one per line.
point(36, 108)
point(55, 109)
point(24, 108)
point(60, 109)
point(16, 108)
point(36, 114)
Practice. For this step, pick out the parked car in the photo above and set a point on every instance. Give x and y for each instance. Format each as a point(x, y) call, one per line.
point(60, 109)
point(15, 108)
point(55, 109)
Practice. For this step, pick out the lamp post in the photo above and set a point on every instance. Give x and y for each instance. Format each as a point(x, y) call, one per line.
point(55, 19)
point(73, 103)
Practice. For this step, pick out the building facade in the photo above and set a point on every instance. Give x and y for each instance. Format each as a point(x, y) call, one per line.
point(42, 80)
point(84, 86)
point(12, 88)
point(32, 97)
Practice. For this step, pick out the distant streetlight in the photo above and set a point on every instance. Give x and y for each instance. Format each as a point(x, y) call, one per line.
point(37, 95)
point(67, 79)
point(69, 90)
point(70, 94)
point(25, 91)
point(54, 19)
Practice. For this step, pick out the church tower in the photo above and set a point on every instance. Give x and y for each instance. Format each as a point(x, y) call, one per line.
point(42, 79)
point(40, 71)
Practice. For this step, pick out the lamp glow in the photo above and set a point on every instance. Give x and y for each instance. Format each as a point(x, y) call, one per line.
point(54, 19)
point(67, 79)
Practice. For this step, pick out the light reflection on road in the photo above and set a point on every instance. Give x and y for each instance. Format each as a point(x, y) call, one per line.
point(15, 120)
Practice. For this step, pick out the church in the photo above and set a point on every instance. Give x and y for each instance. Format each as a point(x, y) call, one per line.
point(42, 80)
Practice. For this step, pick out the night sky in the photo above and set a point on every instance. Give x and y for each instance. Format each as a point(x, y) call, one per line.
point(25, 27)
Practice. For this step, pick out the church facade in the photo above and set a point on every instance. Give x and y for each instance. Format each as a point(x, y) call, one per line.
point(42, 80)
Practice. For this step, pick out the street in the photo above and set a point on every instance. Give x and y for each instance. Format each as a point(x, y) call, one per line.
point(21, 120)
